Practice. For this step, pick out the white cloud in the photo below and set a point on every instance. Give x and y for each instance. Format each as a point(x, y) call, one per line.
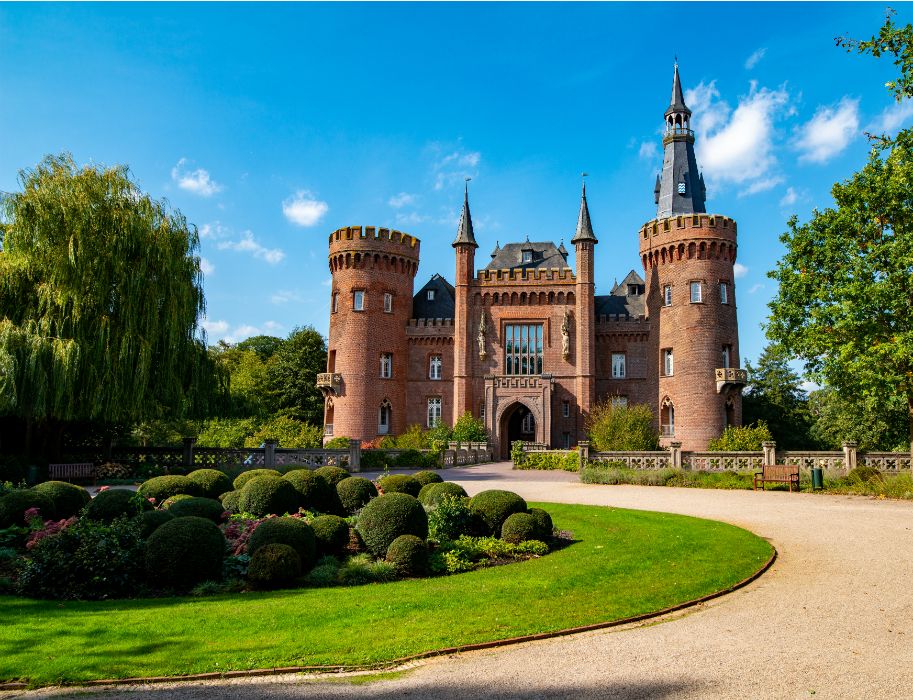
point(790, 198)
point(892, 118)
point(755, 288)
point(828, 132)
point(272, 326)
point(206, 267)
point(218, 328)
point(453, 166)
point(401, 200)
point(754, 59)
point(284, 296)
point(196, 181)
point(413, 218)
point(648, 151)
point(739, 270)
point(763, 185)
point(809, 386)
point(240, 333)
point(214, 230)
point(303, 209)
point(248, 244)
point(328, 282)
point(737, 145)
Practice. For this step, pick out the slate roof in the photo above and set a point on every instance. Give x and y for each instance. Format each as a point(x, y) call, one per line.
point(444, 304)
point(584, 227)
point(510, 255)
point(677, 103)
point(619, 302)
point(465, 234)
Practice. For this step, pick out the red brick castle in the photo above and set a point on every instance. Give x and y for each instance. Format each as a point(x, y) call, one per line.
point(525, 343)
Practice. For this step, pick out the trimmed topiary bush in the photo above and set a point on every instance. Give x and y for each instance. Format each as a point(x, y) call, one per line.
point(331, 534)
point(115, 503)
point(273, 566)
point(864, 474)
point(241, 480)
point(68, 499)
point(543, 523)
point(494, 507)
point(163, 487)
point(268, 495)
point(152, 520)
point(208, 508)
point(519, 527)
point(231, 502)
point(212, 482)
point(400, 483)
point(432, 494)
point(427, 477)
point(171, 500)
point(409, 555)
point(355, 492)
point(332, 475)
point(14, 504)
point(184, 552)
point(293, 532)
point(387, 517)
point(314, 493)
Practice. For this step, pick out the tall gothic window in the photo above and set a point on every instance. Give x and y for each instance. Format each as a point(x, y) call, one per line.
point(434, 411)
point(618, 365)
point(388, 303)
point(386, 365)
point(384, 418)
point(434, 368)
point(667, 362)
point(523, 349)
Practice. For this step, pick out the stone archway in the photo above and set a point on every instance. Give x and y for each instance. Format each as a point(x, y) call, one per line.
point(517, 422)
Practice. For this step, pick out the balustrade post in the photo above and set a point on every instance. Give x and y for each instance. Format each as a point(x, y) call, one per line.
point(189, 442)
point(584, 453)
point(676, 448)
point(849, 455)
point(770, 451)
point(269, 453)
point(354, 455)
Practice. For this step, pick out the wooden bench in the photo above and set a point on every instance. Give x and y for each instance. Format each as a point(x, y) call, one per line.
point(777, 474)
point(67, 472)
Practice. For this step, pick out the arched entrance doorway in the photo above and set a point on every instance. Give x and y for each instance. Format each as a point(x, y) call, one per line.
point(517, 423)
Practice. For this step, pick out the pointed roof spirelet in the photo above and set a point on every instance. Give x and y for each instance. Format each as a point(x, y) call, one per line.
point(584, 227)
point(497, 249)
point(465, 235)
point(677, 103)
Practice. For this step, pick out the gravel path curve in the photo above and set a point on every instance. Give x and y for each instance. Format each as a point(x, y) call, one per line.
point(833, 618)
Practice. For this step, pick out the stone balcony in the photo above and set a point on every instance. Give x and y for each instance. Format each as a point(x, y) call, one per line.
point(329, 383)
point(730, 376)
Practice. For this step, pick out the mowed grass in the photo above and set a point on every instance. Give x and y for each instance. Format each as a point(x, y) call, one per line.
point(622, 563)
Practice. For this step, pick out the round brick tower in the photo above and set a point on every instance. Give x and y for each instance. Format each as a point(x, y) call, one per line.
point(688, 256)
point(371, 304)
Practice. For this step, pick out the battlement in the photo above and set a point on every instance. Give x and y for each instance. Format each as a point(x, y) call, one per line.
point(682, 223)
point(510, 274)
point(430, 323)
point(373, 238)
point(605, 319)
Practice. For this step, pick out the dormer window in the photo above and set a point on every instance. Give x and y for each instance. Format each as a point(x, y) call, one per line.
point(430, 295)
point(527, 256)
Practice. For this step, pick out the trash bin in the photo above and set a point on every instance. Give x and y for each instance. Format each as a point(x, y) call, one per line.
point(817, 478)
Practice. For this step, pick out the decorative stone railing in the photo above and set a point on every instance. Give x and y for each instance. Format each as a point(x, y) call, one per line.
point(730, 375)
point(891, 462)
point(329, 383)
point(459, 454)
point(722, 461)
point(661, 459)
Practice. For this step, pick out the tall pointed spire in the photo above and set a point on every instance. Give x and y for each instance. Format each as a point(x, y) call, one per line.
point(584, 227)
point(465, 234)
point(677, 104)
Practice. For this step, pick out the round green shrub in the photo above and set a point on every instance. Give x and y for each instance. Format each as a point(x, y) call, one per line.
point(400, 483)
point(427, 476)
point(387, 517)
point(332, 475)
point(212, 482)
point(163, 487)
point(354, 493)
point(68, 499)
point(864, 474)
point(268, 495)
point(331, 534)
point(519, 527)
point(432, 494)
point(409, 554)
point(115, 503)
point(494, 507)
point(231, 502)
point(171, 500)
point(14, 504)
point(543, 523)
point(314, 493)
point(208, 508)
point(294, 532)
point(273, 566)
point(242, 478)
point(152, 520)
point(184, 552)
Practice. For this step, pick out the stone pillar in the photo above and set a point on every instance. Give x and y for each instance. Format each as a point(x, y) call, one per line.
point(770, 451)
point(189, 442)
point(269, 453)
point(675, 447)
point(354, 455)
point(849, 455)
point(584, 450)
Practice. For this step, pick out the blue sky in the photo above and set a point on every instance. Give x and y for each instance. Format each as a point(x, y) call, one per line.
point(271, 125)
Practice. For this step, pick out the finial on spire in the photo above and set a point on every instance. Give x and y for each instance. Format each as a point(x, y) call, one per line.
point(465, 234)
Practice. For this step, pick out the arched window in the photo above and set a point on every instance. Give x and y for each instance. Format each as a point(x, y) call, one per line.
point(667, 418)
point(328, 420)
point(384, 418)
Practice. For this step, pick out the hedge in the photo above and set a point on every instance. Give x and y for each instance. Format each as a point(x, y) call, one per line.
point(569, 462)
point(387, 517)
point(151, 520)
point(184, 552)
point(208, 508)
point(409, 554)
point(332, 475)
point(212, 482)
point(495, 506)
point(519, 527)
point(543, 523)
point(273, 566)
point(400, 483)
point(331, 534)
point(14, 504)
point(163, 487)
point(427, 477)
point(242, 478)
point(314, 493)
point(68, 499)
point(432, 494)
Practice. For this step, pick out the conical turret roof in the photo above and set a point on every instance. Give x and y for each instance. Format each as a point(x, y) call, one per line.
point(465, 234)
point(584, 227)
point(677, 104)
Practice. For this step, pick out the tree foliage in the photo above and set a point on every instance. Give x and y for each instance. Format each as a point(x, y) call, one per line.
point(621, 428)
point(875, 424)
point(741, 438)
point(100, 296)
point(292, 375)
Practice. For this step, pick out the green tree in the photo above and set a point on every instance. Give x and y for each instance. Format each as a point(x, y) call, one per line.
point(248, 381)
point(774, 396)
point(741, 438)
point(468, 428)
point(100, 298)
point(846, 280)
point(621, 428)
point(264, 345)
point(292, 375)
point(874, 425)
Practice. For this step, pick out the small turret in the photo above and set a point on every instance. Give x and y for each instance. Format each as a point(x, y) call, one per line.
point(465, 234)
point(584, 227)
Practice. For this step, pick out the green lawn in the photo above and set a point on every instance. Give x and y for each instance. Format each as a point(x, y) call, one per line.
point(622, 563)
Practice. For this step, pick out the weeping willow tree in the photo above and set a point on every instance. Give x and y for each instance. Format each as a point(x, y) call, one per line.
point(100, 297)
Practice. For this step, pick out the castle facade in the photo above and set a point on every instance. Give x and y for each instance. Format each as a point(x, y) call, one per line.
point(524, 343)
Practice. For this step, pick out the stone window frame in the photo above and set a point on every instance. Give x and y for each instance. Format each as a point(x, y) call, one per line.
point(667, 295)
point(700, 291)
point(384, 417)
point(536, 357)
point(388, 303)
point(355, 297)
point(440, 367)
point(624, 365)
point(667, 362)
point(431, 403)
point(529, 421)
point(335, 302)
point(386, 365)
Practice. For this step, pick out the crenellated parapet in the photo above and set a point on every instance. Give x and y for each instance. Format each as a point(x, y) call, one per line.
point(373, 248)
point(510, 275)
point(688, 237)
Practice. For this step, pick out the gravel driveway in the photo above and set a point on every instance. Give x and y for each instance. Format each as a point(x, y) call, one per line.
point(833, 618)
